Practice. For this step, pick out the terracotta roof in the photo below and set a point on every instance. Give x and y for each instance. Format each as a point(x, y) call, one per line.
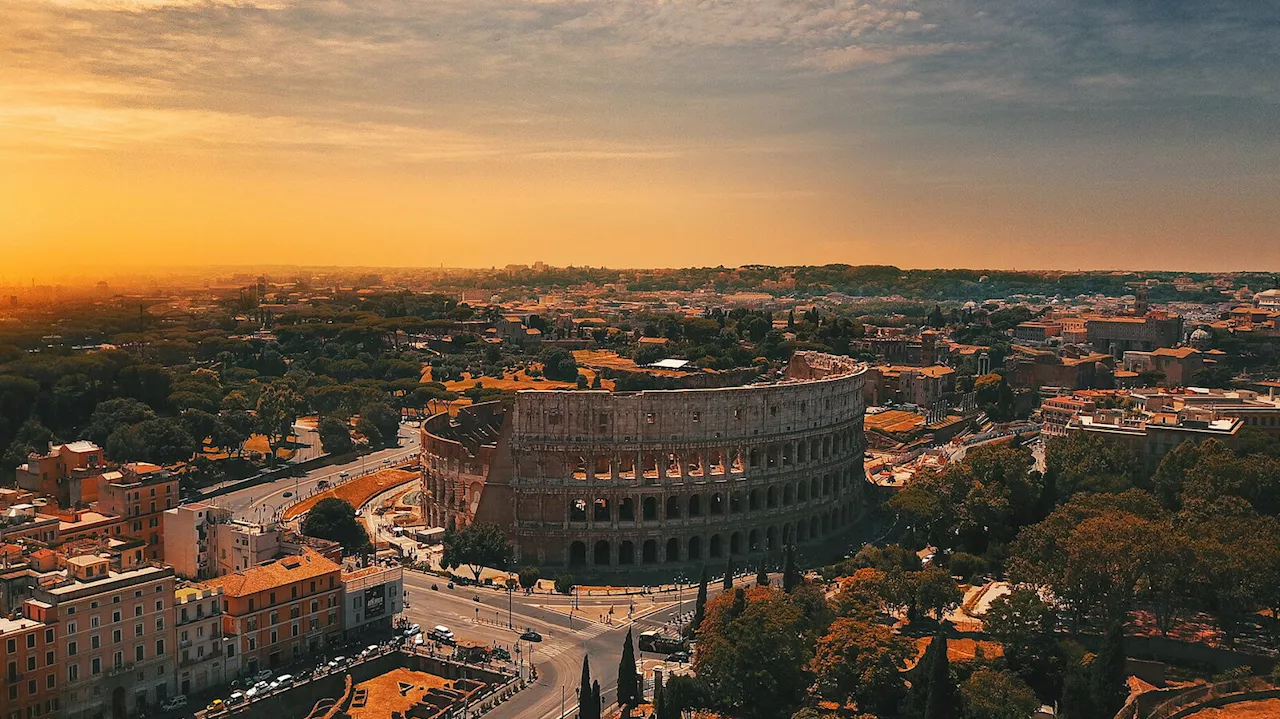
point(1176, 351)
point(307, 565)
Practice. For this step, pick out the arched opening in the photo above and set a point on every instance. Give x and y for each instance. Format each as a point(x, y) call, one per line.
point(601, 558)
point(736, 465)
point(802, 452)
point(649, 552)
point(813, 528)
point(716, 462)
point(627, 552)
point(673, 465)
point(735, 543)
point(753, 500)
point(602, 468)
point(695, 505)
point(627, 466)
point(601, 511)
point(802, 531)
point(695, 548)
point(693, 465)
point(118, 709)
point(673, 550)
point(753, 541)
point(627, 510)
point(771, 539)
point(673, 507)
point(772, 455)
point(788, 494)
point(802, 491)
point(815, 488)
point(826, 524)
point(650, 509)
point(714, 548)
point(754, 456)
point(577, 554)
point(650, 466)
point(579, 467)
point(717, 503)
point(578, 510)
point(735, 503)
point(771, 497)
point(786, 454)
point(786, 534)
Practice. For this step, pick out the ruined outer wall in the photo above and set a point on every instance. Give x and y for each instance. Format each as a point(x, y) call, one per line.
point(606, 481)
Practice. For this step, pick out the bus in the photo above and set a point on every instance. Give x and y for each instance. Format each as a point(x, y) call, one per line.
point(652, 641)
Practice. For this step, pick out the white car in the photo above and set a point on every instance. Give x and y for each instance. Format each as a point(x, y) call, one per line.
point(174, 702)
point(262, 676)
point(415, 629)
point(284, 680)
point(253, 692)
point(417, 641)
point(337, 662)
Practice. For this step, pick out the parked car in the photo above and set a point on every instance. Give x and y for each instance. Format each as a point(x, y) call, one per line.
point(681, 656)
point(174, 702)
point(262, 676)
point(442, 634)
point(531, 636)
point(284, 680)
point(417, 640)
point(413, 629)
point(235, 698)
point(288, 494)
point(216, 706)
point(337, 662)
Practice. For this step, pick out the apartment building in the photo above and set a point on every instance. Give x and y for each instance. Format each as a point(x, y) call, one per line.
point(372, 596)
point(140, 497)
point(60, 472)
point(281, 610)
point(202, 649)
point(116, 642)
point(29, 654)
point(202, 541)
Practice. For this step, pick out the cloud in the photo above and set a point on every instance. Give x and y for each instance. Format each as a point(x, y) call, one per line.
point(845, 58)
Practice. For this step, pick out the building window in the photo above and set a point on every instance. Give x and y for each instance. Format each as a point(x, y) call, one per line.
point(159, 647)
point(137, 610)
point(137, 653)
point(115, 617)
point(94, 643)
point(71, 628)
point(71, 649)
point(48, 658)
point(31, 641)
point(96, 667)
point(48, 635)
point(137, 629)
point(115, 635)
point(73, 672)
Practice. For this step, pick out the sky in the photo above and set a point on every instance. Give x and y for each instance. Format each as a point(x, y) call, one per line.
point(634, 133)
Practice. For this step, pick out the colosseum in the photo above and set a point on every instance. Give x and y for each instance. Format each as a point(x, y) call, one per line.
point(658, 479)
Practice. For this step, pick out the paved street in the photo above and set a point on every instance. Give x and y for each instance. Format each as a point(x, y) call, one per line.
point(260, 503)
point(558, 657)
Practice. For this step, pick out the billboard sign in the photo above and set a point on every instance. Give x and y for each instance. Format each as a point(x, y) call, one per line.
point(375, 601)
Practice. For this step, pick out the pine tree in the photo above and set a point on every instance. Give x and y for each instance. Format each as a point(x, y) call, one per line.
point(628, 682)
point(940, 694)
point(596, 705)
point(791, 576)
point(762, 576)
point(1108, 685)
point(584, 691)
point(700, 606)
point(728, 574)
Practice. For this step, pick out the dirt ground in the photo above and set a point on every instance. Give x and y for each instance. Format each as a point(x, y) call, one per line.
point(385, 696)
point(1260, 709)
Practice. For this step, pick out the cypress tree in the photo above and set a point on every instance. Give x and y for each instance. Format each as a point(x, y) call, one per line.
point(1108, 685)
point(659, 695)
point(739, 603)
point(628, 682)
point(940, 694)
point(791, 577)
point(700, 606)
point(728, 574)
point(584, 691)
point(762, 577)
point(595, 700)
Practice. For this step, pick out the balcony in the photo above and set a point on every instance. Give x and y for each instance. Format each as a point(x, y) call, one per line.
point(215, 654)
point(116, 671)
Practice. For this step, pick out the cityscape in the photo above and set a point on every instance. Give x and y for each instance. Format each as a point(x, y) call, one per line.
point(576, 492)
point(639, 359)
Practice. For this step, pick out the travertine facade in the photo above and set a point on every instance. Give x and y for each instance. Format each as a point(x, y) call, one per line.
point(599, 480)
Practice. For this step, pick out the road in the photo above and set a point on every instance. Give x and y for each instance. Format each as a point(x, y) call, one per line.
point(260, 503)
point(558, 657)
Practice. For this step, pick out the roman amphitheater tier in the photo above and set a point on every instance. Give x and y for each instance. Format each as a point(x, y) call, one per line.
point(601, 481)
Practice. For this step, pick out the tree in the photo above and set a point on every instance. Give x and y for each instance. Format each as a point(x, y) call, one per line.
point(1023, 624)
point(791, 576)
point(990, 694)
point(558, 364)
point(936, 320)
point(752, 654)
point(233, 429)
point(700, 605)
point(586, 700)
point(529, 577)
point(861, 661)
point(1108, 679)
point(334, 518)
point(112, 414)
point(762, 575)
point(335, 435)
point(727, 583)
point(161, 441)
point(564, 583)
point(940, 692)
point(935, 591)
point(478, 546)
point(386, 419)
point(628, 680)
point(277, 410)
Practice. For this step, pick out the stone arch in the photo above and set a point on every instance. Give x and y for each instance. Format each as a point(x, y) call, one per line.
point(771, 457)
point(736, 463)
point(786, 534)
point(716, 463)
point(802, 531)
point(578, 510)
point(577, 554)
point(650, 509)
point(789, 494)
point(815, 488)
point(754, 456)
point(715, 503)
point(673, 507)
point(579, 467)
point(753, 541)
point(802, 452)
point(603, 467)
point(601, 511)
point(735, 543)
point(693, 548)
point(813, 528)
point(649, 466)
point(627, 466)
point(649, 551)
point(802, 491)
point(695, 505)
point(771, 497)
point(826, 523)
point(714, 547)
point(771, 539)
point(601, 555)
point(693, 464)
point(735, 503)
point(627, 552)
point(753, 500)
point(627, 510)
point(673, 550)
